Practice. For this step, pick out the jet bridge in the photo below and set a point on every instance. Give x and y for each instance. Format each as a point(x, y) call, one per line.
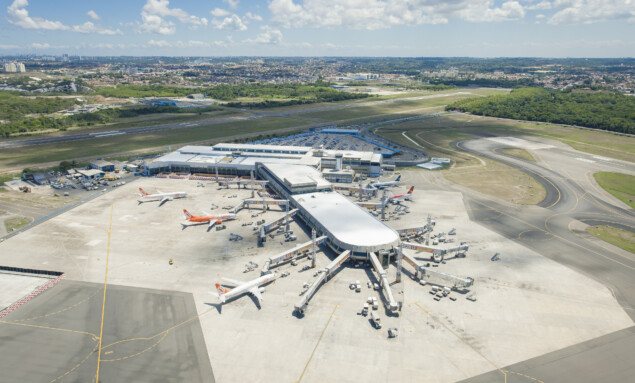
point(437, 277)
point(438, 254)
point(324, 273)
point(269, 226)
point(290, 254)
point(255, 201)
point(381, 273)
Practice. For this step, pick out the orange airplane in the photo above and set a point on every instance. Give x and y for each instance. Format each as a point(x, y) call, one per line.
point(210, 219)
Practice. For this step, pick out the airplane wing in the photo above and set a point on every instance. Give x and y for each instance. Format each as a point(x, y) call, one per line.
point(233, 281)
point(255, 291)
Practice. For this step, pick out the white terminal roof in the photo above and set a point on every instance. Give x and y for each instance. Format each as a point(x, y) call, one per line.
point(349, 225)
point(297, 175)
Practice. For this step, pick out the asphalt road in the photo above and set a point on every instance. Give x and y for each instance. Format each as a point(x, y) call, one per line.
point(148, 336)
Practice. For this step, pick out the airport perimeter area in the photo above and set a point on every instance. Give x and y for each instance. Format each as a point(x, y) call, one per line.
point(160, 323)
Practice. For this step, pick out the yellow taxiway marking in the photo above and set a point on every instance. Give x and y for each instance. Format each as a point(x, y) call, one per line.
point(103, 304)
point(318, 343)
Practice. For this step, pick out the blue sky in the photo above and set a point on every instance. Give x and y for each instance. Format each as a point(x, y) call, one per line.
point(478, 28)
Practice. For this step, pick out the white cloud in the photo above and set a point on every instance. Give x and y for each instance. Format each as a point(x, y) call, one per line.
point(159, 43)
point(251, 16)
point(93, 15)
point(540, 6)
point(232, 23)
point(380, 14)
point(268, 36)
point(218, 12)
point(18, 15)
point(154, 13)
point(186, 44)
point(231, 3)
point(540, 16)
point(593, 11)
point(89, 27)
point(5, 46)
point(476, 12)
point(40, 45)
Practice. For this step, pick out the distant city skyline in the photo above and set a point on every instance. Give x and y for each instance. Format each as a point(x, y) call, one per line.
point(407, 28)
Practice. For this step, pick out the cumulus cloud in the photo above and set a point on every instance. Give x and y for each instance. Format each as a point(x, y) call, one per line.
point(18, 15)
point(218, 12)
point(233, 4)
point(89, 27)
point(155, 12)
point(93, 15)
point(592, 11)
point(251, 16)
point(379, 14)
point(540, 6)
point(268, 36)
point(232, 23)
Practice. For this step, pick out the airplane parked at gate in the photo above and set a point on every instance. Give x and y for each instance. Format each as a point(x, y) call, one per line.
point(381, 185)
point(401, 197)
point(210, 219)
point(163, 197)
point(252, 287)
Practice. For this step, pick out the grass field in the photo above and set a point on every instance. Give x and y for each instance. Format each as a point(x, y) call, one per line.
point(621, 238)
point(8, 177)
point(621, 186)
point(414, 106)
point(57, 152)
point(485, 176)
point(520, 153)
point(16, 223)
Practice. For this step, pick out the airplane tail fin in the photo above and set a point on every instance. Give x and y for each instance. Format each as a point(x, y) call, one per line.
point(411, 190)
point(221, 290)
point(143, 193)
point(398, 178)
point(187, 214)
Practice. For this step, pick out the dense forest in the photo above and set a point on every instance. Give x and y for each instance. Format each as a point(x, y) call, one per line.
point(14, 107)
point(316, 92)
point(88, 119)
point(599, 110)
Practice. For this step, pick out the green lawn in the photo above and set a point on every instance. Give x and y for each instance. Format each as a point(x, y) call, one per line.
point(520, 153)
point(621, 186)
point(617, 237)
point(16, 223)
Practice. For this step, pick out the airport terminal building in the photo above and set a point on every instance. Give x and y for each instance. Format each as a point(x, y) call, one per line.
point(241, 159)
point(298, 174)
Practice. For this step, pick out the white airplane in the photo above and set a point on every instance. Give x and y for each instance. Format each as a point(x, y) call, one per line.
point(252, 287)
point(401, 197)
point(381, 185)
point(160, 196)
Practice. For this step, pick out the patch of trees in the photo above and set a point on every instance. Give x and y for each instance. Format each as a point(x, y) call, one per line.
point(599, 110)
point(14, 107)
point(318, 90)
point(90, 119)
